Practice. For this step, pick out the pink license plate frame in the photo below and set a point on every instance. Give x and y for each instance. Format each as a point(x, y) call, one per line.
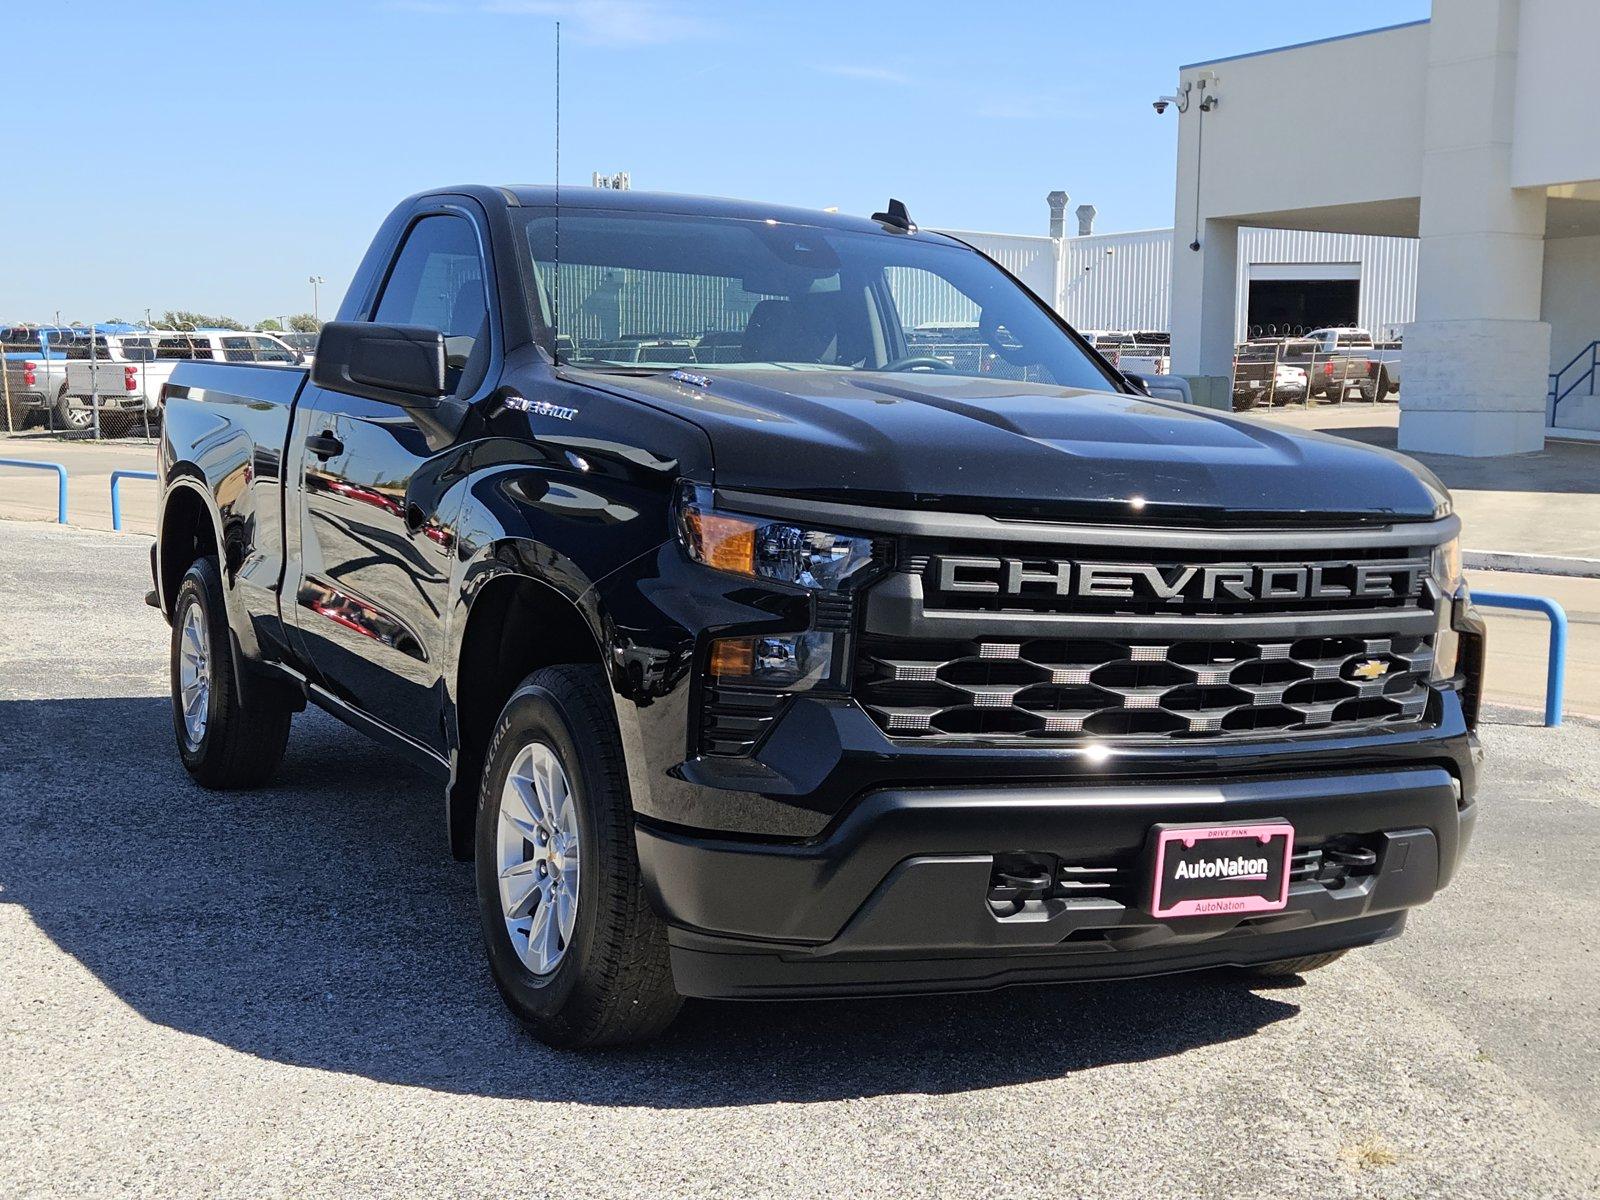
point(1264, 832)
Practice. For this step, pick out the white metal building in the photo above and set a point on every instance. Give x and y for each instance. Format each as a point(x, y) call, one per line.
point(1288, 280)
point(1477, 137)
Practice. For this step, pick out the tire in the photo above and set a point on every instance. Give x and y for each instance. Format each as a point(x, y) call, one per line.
point(1384, 386)
point(16, 416)
point(606, 979)
point(68, 417)
point(1295, 966)
point(229, 746)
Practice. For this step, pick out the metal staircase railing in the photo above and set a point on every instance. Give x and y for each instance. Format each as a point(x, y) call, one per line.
point(1589, 359)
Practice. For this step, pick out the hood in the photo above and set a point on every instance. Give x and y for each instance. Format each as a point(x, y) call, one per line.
point(1005, 448)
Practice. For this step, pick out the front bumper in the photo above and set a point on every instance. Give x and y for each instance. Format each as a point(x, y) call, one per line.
point(894, 897)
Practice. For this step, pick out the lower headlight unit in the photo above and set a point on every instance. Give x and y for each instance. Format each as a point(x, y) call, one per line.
point(793, 662)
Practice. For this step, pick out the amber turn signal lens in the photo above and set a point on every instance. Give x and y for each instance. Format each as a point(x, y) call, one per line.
point(733, 657)
point(726, 543)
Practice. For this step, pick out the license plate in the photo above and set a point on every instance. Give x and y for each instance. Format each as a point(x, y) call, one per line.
point(1255, 383)
point(1203, 870)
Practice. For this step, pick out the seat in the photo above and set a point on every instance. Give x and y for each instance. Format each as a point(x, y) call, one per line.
point(805, 330)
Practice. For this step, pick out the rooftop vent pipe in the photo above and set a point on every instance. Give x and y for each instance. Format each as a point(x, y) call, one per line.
point(1085, 220)
point(1058, 213)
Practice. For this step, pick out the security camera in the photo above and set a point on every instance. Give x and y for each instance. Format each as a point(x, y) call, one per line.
point(1161, 105)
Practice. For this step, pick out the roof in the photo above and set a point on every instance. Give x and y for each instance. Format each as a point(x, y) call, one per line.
point(619, 200)
point(1338, 37)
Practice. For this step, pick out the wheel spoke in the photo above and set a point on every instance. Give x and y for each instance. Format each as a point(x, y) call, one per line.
point(565, 818)
point(551, 786)
point(550, 950)
point(520, 805)
point(539, 936)
point(566, 912)
point(519, 886)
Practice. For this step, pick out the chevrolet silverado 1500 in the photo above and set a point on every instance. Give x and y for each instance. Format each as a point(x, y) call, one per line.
point(783, 661)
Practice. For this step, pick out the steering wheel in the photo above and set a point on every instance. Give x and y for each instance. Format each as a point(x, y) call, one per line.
point(915, 362)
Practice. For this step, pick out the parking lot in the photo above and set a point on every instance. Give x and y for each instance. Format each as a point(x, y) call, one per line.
point(282, 993)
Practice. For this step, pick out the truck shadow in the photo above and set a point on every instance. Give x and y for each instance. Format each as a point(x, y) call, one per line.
point(320, 923)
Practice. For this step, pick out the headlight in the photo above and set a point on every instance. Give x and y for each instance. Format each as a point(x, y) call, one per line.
point(1446, 566)
point(762, 548)
point(1445, 569)
point(792, 662)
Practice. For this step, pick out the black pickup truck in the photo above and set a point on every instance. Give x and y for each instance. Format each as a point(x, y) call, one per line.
point(814, 665)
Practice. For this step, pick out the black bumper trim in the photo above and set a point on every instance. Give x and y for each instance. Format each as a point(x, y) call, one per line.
point(703, 968)
point(904, 876)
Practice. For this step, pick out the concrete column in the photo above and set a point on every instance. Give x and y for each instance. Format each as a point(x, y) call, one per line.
point(1477, 356)
point(1204, 302)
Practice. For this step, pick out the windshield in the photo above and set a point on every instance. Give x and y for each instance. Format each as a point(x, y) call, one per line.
point(654, 292)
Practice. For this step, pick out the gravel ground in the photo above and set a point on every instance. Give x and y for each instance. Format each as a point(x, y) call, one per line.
point(281, 993)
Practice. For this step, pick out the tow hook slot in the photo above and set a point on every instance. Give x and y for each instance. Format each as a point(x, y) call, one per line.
point(1337, 863)
point(1018, 879)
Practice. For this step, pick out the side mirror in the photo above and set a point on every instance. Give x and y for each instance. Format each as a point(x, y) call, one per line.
point(1139, 381)
point(398, 364)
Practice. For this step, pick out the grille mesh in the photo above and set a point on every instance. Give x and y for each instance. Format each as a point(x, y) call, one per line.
point(1120, 689)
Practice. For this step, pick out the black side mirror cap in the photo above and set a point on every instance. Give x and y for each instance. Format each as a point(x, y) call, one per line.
point(397, 364)
point(1138, 381)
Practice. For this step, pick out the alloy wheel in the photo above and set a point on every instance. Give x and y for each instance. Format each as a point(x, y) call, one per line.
point(194, 675)
point(537, 858)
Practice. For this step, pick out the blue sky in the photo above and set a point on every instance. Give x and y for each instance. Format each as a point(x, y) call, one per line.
point(211, 156)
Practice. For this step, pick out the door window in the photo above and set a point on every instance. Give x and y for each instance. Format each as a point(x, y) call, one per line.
point(437, 281)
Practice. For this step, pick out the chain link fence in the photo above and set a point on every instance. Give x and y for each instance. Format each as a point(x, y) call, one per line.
point(106, 382)
point(1282, 371)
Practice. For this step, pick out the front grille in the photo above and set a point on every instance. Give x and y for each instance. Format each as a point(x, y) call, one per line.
point(1200, 635)
point(1046, 688)
point(1039, 567)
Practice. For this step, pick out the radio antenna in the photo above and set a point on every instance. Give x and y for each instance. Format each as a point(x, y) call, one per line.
point(555, 304)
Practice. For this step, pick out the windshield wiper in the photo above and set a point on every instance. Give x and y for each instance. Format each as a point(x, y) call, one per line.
point(606, 368)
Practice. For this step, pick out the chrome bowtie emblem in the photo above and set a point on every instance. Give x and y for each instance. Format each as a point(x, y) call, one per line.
point(1372, 668)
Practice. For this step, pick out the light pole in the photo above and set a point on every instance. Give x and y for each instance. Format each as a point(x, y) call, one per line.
point(315, 281)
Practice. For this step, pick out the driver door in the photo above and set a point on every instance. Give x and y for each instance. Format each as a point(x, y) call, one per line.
point(378, 515)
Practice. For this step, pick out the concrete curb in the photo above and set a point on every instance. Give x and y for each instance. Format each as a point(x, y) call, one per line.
point(1530, 564)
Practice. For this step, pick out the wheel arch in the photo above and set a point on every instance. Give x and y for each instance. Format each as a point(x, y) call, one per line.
point(514, 624)
point(189, 529)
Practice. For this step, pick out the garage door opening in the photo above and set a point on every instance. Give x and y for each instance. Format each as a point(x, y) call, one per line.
point(1295, 305)
point(1288, 298)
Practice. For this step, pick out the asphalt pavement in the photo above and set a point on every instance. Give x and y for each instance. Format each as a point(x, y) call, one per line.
point(281, 993)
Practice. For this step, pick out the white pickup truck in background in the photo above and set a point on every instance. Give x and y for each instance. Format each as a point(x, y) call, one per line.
point(1141, 353)
point(1383, 357)
point(122, 374)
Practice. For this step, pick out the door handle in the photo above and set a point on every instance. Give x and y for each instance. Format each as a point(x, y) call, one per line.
point(324, 445)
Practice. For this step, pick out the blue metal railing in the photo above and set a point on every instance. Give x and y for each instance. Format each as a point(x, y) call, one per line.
point(116, 493)
point(1589, 356)
point(1555, 684)
point(61, 481)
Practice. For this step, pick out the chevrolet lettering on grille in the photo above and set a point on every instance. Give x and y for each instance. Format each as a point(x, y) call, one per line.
point(1176, 582)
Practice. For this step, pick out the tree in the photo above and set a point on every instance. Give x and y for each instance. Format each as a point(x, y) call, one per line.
point(270, 326)
point(182, 319)
point(305, 323)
